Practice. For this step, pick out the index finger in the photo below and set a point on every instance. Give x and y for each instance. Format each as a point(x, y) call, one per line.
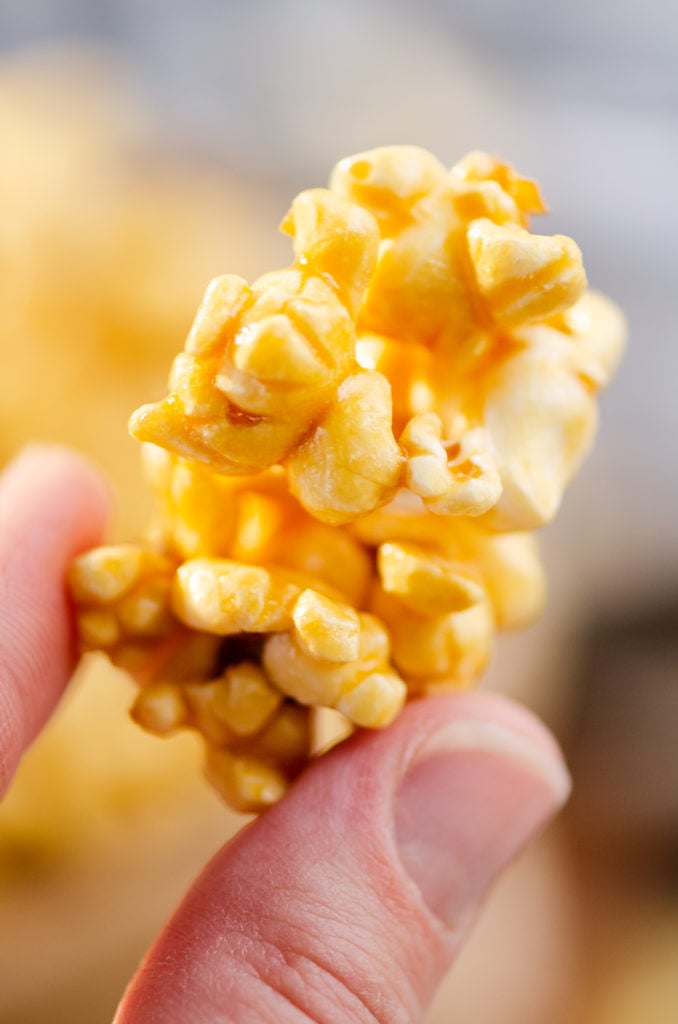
point(53, 505)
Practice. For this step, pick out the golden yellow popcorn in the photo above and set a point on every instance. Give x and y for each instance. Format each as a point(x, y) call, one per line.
point(256, 741)
point(267, 366)
point(122, 595)
point(349, 463)
point(460, 275)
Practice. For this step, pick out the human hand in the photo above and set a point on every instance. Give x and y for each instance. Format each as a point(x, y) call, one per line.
point(346, 902)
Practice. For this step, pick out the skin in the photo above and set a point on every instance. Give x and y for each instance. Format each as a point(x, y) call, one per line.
point(348, 901)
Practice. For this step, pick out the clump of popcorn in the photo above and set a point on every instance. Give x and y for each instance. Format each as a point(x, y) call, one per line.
point(349, 464)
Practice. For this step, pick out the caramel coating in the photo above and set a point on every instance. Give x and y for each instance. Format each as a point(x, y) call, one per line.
point(122, 596)
point(349, 463)
point(266, 365)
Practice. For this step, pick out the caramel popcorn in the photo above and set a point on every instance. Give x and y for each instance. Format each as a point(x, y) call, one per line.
point(349, 463)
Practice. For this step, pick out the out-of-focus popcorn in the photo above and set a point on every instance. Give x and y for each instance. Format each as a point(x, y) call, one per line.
point(106, 239)
point(350, 459)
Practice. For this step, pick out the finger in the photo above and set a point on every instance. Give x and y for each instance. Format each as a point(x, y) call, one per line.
point(347, 902)
point(52, 505)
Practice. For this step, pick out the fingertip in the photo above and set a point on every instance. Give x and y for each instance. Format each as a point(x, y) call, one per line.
point(387, 844)
point(65, 478)
point(425, 716)
point(480, 784)
point(499, 709)
point(53, 505)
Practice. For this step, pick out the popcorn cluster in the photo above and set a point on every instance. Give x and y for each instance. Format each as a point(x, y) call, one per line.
point(349, 463)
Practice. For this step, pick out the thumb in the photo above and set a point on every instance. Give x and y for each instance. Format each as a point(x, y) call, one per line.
point(347, 902)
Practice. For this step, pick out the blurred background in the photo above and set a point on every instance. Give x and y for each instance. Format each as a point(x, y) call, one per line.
point(147, 147)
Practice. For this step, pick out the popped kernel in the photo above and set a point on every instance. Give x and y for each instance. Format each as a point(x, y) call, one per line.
point(457, 478)
point(252, 775)
point(365, 689)
point(121, 594)
point(350, 463)
point(425, 582)
point(542, 419)
point(160, 708)
point(263, 366)
point(442, 651)
point(522, 277)
point(246, 783)
point(226, 597)
point(246, 701)
point(325, 629)
point(252, 519)
point(252, 772)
